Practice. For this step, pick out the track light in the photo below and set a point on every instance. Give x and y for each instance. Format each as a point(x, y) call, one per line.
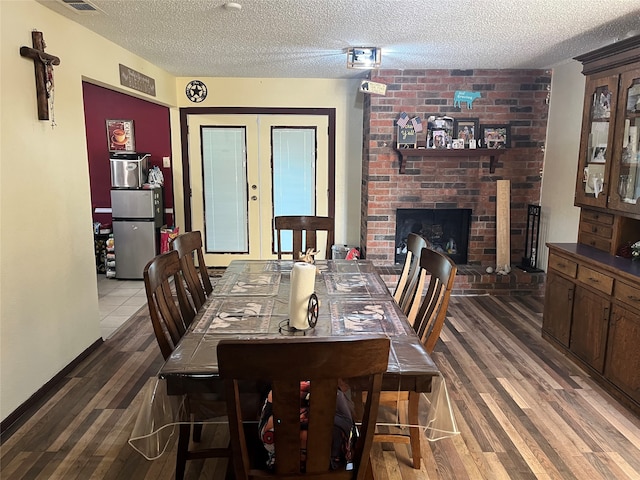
point(363, 57)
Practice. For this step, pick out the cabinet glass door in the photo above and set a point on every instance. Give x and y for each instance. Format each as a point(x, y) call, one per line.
point(625, 178)
point(597, 136)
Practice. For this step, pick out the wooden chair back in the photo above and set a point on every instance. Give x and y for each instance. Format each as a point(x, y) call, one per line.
point(304, 228)
point(169, 319)
point(321, 361)
point(407, 286)
point(189, 245)
point(433, 309)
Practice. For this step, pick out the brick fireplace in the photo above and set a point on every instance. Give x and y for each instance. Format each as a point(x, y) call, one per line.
point(513, 97)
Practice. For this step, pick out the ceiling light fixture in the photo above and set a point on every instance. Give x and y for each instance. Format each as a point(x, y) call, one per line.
point(364, 57)
point(232, 6)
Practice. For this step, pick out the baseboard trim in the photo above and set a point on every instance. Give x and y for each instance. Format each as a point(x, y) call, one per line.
point(11, 423)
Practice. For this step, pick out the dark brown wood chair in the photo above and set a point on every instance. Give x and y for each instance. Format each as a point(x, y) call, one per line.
point(304, 228)
point(164, 285)
point(323, 362)
point(407, 286)
point(441, 271)
point(189, 245)
point(171, 314)
point(428, 323)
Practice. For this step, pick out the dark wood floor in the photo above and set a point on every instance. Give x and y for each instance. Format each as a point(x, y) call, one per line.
point(524, 411)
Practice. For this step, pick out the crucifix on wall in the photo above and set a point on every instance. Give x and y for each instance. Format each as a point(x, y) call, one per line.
point(43, 65)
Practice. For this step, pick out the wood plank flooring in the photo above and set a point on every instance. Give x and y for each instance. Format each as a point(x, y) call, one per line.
point(524, 411)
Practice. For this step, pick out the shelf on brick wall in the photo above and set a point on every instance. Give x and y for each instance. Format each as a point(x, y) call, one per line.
point(450, 152)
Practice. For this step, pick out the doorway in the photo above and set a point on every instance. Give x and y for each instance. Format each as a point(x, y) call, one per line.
point(244, 167)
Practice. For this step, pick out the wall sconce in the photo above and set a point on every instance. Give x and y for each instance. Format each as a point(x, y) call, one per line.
point(364, 57)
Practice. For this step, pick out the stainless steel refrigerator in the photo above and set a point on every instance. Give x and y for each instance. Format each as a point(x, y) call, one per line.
point(137, 217)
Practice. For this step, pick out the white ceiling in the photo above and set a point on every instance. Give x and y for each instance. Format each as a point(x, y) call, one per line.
point(308, 38)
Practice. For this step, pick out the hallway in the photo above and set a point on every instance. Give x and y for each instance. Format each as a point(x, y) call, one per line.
point(118, 300)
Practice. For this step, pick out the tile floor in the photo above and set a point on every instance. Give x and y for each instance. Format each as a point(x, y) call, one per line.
point(117, 301)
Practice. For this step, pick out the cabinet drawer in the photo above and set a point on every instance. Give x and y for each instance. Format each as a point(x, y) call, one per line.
point(563, 265)
point(594, 241)
point(629, 294)
point(597, 280)
point(600, 243)
point(604, 231)
point(596, 217)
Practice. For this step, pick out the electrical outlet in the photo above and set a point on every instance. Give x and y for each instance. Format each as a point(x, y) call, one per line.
point(166, 162)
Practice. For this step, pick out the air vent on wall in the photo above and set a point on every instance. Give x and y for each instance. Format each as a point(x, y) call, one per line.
point(81, 7)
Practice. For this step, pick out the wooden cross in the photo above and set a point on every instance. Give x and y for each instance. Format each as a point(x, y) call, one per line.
point(43, 65)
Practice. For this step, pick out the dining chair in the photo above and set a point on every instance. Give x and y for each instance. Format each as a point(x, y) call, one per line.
point(285, 362)
point(304, 228)
point(164, 286)
point(407, 287)
point(429, 319)
point(162, 276)
point(188, 245)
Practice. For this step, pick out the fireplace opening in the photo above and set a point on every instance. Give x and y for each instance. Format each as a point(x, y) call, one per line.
point(447, 230)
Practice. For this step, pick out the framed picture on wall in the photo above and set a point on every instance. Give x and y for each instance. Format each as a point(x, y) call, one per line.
point(120, 136)
point(496, 136)
point(466, 129)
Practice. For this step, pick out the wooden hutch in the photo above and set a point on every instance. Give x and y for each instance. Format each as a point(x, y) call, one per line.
point(592, 296)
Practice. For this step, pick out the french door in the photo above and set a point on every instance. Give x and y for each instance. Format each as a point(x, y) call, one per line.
point(246, 169)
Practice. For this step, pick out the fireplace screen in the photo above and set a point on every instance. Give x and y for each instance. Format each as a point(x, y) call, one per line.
point(446, 230)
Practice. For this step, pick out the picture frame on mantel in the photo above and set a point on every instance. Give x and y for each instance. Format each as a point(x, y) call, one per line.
point(120, 136)
point(494, 136)
point(406, 136)
point(466, 129)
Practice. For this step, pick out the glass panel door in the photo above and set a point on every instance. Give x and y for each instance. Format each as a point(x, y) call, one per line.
point(294, 174)
point(596, 151)
point(225, 189)
point(244, 169)
point(626, 174)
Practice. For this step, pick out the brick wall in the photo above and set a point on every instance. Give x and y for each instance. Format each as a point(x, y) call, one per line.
point(514, 97)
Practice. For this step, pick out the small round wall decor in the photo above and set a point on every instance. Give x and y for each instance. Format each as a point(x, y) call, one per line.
point(196, 91)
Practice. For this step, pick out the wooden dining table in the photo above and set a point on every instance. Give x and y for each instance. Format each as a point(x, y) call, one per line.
point(251, 300)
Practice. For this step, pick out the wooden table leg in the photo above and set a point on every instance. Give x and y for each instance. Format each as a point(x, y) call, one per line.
point(414, 432)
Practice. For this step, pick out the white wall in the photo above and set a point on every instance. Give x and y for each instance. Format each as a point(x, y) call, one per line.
point(48, 290)
point(559, 218)
point(343, 95)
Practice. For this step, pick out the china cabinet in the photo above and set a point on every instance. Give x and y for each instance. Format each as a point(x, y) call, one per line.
point(608, 174)
point(592, 296)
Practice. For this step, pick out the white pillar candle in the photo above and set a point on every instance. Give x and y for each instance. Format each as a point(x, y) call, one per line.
point(303, 279)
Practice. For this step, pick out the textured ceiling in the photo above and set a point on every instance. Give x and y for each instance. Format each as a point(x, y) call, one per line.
point(308, 38)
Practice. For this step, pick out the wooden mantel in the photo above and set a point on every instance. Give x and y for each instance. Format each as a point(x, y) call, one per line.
point(450, 152)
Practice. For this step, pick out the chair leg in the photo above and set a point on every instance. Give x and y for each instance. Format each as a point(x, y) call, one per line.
point(197, 432)
point(183, 450)
point(414, 432)
point(369, 473)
